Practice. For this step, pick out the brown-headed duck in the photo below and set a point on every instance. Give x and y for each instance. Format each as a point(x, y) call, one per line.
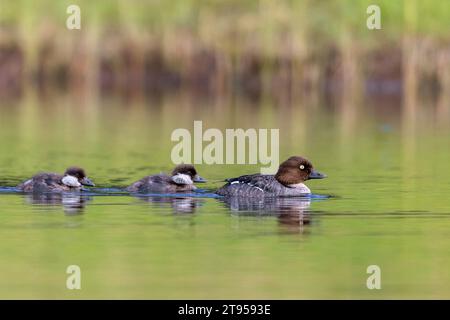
point(288, 181)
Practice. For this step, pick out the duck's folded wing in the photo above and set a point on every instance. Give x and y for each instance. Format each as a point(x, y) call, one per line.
point(260, 181)
point(43, 182)
point(249, 178)
point(149, 183)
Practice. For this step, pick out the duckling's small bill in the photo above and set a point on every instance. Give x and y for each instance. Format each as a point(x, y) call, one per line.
point(198, 179)
point(87, 182)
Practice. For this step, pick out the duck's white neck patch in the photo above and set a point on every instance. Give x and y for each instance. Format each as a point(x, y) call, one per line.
point(301, 187)
point(71, 181)
point(181, 178)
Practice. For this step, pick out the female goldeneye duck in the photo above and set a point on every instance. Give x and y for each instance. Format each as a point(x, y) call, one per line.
point(288, 181)
point(73, 179)
point(181, 179)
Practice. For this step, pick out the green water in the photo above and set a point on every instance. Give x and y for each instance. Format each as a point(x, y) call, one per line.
point(388, 173)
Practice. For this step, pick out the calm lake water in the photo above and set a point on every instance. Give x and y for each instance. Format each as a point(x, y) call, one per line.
point(388, 178)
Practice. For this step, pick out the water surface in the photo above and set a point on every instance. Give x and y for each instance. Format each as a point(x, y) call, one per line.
point(388, 179)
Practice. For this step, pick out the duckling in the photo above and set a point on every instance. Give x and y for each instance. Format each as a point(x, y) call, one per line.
point(181, 179)
point(73, 180)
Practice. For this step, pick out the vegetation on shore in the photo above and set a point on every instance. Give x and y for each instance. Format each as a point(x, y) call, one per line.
point(215, 47)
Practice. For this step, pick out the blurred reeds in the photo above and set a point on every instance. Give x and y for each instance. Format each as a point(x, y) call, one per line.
point(282, 48)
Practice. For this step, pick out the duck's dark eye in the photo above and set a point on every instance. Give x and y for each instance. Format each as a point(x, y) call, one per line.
point(302, 167)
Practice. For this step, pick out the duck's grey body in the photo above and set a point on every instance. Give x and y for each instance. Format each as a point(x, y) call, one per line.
point(259, 185)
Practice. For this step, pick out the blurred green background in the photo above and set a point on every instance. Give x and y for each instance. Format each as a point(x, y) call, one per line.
point(279, 48)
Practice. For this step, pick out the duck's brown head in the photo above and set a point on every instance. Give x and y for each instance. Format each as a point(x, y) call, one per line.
point(296, 170)
point(186, 174)
point(80, 175)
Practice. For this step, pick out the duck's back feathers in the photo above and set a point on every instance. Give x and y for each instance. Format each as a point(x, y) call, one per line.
point(258, 185)
point(44, 182)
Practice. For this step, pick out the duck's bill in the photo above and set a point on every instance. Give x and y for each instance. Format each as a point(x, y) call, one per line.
point(87, 182)
point(316, 175)
point(199, 179)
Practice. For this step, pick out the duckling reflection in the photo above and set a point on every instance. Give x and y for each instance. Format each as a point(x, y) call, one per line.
point(179, 205)
point(72, 203)
point(292, 213)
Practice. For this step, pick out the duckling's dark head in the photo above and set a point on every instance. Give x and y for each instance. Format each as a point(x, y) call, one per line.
point(80, 175)
point(187, 170)
point(296, 170)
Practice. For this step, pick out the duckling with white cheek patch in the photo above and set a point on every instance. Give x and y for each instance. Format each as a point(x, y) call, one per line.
point(182, 179)
point(288, 181)
point(73, 180)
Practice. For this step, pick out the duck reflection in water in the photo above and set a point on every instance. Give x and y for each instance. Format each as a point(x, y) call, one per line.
point(292, 213)
point(179, 205)
point(72, 203)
